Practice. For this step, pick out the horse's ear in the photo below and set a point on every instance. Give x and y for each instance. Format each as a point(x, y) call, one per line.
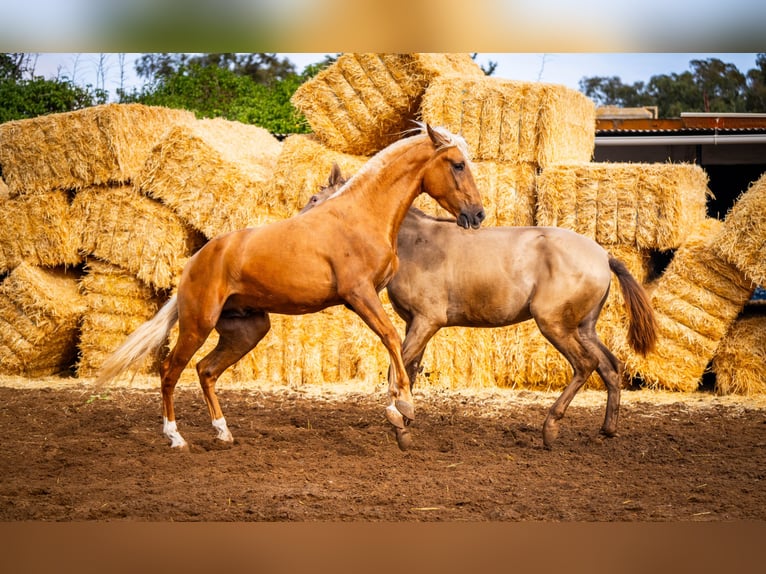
point(335, 175)
point(437, 138)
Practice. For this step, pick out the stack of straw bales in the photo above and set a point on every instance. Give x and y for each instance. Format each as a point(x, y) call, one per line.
point(696, 300)
point(124, 194)
point(363, 102)
point(68, 196)
point(100, 145)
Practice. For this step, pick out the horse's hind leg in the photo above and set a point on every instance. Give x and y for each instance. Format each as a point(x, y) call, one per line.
point(583, 361)
point(237, 336)
point(170, 371)
point(610, 369)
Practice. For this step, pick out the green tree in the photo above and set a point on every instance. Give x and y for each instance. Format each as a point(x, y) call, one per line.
point(23, 95)
point(710, 85)
point(250, 88)
point(755, 92)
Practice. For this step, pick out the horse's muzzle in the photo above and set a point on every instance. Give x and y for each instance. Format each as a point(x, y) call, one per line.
point(471, 218)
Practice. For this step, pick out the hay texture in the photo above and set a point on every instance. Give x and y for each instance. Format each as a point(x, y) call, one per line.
point(116, 303)
point(696, 300)
point(649, 206)
point(513, 121)
point(363, 102)
point(39, 314)
point(93, 146)
point(37, 229)
point(304, 167)
point(740, 360)
point(743, 239)
point(123, 227)
point(215, 174)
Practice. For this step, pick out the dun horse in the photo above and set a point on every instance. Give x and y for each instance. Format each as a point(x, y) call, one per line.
point(343, 252)
point(500, 276)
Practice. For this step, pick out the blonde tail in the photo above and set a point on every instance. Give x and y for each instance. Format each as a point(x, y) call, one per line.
point(144, 340)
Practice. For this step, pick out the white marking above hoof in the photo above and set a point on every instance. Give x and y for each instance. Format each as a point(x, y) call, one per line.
point(223, 430)
point(170, 430)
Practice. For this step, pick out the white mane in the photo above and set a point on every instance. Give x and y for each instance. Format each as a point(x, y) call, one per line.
point(376, 162)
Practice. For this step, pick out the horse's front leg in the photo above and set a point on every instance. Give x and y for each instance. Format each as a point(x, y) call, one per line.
point(401, 410)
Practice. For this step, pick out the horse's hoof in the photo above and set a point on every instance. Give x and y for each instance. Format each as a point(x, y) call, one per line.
point(610, 433)
point(550, 432)
point(406, 408)
point(395, 417)
point(404, 439)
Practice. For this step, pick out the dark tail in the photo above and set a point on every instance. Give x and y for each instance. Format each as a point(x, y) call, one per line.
point(642, 324)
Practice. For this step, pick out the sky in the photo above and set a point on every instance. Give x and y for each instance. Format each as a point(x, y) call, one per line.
point(559, 68)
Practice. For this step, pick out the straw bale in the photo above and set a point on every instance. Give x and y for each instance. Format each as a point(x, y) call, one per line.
point(740, 360)
point(116, 303)
point(743, 239)
point(94, 146)
point(363, 102)
point(215, 174)
point(125, 228)
point(695, 300)
point(513, 121)
point(39, 314)
point(37, 229)
point(651, 206)
point(303, 168)
point(5, 193)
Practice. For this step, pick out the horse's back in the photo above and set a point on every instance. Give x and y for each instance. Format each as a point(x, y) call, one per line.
point(495, 275)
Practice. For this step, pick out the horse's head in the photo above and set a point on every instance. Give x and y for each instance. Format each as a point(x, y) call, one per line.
point(448, 178)
point(334, 182)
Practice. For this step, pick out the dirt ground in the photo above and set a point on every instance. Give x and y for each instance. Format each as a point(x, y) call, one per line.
point(328, 454)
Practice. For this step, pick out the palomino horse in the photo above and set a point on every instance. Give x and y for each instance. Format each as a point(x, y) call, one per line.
point(500, 276)
point(343, 252)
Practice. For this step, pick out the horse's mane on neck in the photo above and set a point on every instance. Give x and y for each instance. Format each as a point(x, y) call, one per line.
point(397, 148)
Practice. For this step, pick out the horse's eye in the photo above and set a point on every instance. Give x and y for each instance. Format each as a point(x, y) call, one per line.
point(459, 166)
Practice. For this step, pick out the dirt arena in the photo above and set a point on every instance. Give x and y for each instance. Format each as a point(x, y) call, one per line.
point(311, 454)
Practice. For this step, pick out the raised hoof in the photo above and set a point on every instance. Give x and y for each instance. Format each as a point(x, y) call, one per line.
point(406, 408)
point(395, 417)
point(404, 439)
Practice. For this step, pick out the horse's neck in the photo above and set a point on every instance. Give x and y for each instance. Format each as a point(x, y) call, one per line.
point(388, 191)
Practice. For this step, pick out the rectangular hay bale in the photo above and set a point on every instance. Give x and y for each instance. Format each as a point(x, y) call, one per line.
point(99, 145)
point(739, 363)
point(121, 226)
point(116, 304)
point(513, 121)
point(40, 310)
point(215, 174)
point(650, 206)
point(742, 241)
point(37, 229)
